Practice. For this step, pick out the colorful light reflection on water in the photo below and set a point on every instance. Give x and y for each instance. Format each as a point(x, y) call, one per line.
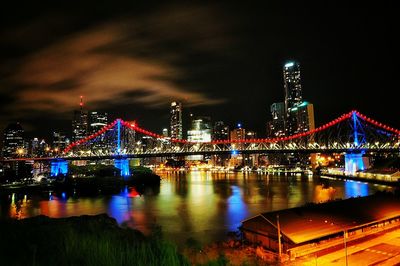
point(202, 205)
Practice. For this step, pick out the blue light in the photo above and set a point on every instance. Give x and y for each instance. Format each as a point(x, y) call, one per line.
point(123, 165)
point(119, 136)
point(237, 209)
point(119, 208)
point(290, 64)
point(58, 166)
point(63, 195)
point(355, 129)
point(355, 189)
point(353, 163)
point(239, 125)
point(234, 152)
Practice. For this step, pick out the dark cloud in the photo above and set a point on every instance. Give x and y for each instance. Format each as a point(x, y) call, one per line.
point(220, 59)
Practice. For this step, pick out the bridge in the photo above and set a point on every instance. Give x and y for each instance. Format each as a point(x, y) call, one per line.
point(352, 133)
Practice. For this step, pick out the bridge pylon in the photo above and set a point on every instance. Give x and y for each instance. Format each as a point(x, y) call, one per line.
point(58, 166)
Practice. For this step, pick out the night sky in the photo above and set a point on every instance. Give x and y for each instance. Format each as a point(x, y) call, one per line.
point(221, 59)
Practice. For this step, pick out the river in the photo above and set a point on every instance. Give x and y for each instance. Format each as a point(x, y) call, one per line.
point(200, 205)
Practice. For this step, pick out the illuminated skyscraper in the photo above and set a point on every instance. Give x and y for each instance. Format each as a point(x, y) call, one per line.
point(304, 114)
point(277, 125)
point(176, 120)
point(13, 144)
point(238, 133)
point(98, 120)
point(200, 130)
point(221, 131)
point(60, 141)
point(80, 123)
point(293, 94)
point(34, 149)
point(165, 132)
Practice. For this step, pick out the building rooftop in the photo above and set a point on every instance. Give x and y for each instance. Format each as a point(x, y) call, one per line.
point(315, 221)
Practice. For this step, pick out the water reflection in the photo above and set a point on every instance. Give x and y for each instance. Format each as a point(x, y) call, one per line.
point(356, 188)
point(237, 209)
point(202, 205)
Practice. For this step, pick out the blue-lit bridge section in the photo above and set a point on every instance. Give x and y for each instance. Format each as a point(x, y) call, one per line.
point(123, 165)
point(58, 167)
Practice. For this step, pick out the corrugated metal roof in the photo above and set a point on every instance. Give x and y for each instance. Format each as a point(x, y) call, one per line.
point(314, 221)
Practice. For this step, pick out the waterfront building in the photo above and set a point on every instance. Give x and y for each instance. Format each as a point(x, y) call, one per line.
point(321, 227)
point(13, 141)
point(176, 120)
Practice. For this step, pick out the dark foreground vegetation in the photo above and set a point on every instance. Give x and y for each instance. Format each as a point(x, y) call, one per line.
point(84, 240)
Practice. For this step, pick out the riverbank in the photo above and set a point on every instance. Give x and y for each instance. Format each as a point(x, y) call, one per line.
point(361, 179)
point(98, 240)
point(88, 185)
point(83, 240)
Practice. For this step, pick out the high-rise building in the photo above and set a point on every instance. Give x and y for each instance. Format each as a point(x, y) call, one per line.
point(80, 123)
point(98, 120)
point(200, 130)
point(165, 132)
point(221, 131)
point(277, 125)
point(176, 120)
point(13, 143)
point(251, 160)
point(251, 135)
point(293, 94)
point(304, 114)
point(238, 133)
point(60, 141)
point(34, 147)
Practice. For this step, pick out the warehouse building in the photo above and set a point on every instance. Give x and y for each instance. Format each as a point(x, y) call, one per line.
point(323, 227)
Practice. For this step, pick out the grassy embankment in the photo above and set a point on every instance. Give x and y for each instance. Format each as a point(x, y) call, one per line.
point(85, 240)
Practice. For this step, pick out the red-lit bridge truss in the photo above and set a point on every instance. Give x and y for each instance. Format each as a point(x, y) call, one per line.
point(350, 132)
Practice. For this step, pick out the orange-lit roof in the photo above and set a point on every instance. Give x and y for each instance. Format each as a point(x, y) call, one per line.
point(315, 221)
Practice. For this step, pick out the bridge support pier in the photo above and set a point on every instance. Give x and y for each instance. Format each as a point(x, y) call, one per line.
point(354, 162)
point(58, 166)
point(123, 165)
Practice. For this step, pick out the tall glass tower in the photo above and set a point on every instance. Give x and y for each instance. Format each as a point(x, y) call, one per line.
point(80, 123)
point(98, 120)
point(13, 145)
point(293, 94)
point(176, 120)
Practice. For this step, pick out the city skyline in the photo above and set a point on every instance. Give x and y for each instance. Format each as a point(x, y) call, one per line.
point(211, 57)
